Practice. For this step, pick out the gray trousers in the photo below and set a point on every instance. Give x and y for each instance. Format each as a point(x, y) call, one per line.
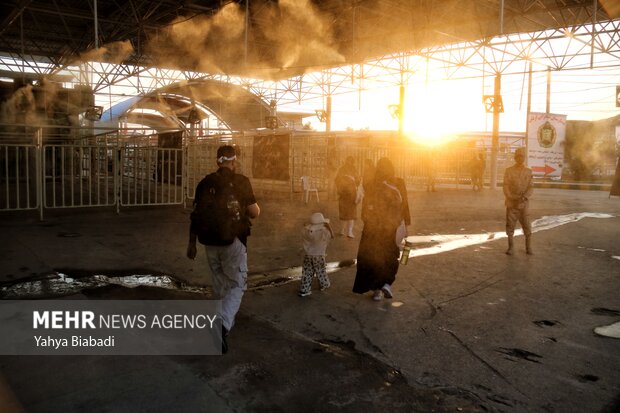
point(521, 215)
point(229, 269)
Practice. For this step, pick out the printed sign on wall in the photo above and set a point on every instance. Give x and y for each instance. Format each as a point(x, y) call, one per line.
point(270, 157)
point(546, 133)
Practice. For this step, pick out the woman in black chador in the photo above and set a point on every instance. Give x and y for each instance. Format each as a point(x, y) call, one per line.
point(385, 206)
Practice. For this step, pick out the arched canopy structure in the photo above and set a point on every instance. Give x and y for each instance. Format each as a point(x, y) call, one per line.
point(179, 104)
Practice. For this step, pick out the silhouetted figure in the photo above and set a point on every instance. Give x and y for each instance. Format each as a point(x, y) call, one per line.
point(430, 170)
point(368, 173)
point(615, 186)
point(478, 167)
point(347, 180)
point(385, 206)
point(223, 206)
point(518, 188)
point(332, 170)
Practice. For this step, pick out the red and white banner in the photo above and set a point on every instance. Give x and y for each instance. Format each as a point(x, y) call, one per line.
point(546, 133)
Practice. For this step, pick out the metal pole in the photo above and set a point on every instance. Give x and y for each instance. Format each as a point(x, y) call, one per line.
point(21, 38)
point(245, 36)
point(595, 6)
point(404, 64)
point(501, 17)
point(40, 171)
point(548, 90)
point(328, 114)
point(96, 25)
point(116, 165)
point(495, 142)
point(401, 112)
point(529, 108)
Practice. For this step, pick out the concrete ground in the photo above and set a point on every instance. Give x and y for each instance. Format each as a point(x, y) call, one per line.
point(470, 329)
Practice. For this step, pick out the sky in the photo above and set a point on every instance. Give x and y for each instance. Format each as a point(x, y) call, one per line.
point(438, 108)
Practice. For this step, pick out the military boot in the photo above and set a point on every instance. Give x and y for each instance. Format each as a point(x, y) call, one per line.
point(510, 245)
point(528, 245)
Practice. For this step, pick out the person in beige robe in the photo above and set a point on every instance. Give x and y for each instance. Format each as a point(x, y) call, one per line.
point(518, 188)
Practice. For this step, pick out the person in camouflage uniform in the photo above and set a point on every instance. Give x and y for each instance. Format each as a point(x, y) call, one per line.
point(518, 188)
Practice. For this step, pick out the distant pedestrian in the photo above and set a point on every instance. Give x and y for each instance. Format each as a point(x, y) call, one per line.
point(332, 170)
point(478, 166)
point(473, 166)
point(384, 208)
point(518, 188)
point(430, 170)
point(224, 203)
point(615, 186)
point(481, 167)
point(347, 180)
point(368, 172)
point(316, 236)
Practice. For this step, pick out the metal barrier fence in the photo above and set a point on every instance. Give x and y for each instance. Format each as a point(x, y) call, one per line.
point(310, 157)
point(318, 156)
point(76, 176)
point(96, 176)
point(114, 169)
point(19, 169)
point(79, 176)
point(151, 176)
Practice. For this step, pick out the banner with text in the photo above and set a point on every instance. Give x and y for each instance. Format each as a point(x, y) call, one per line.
point(110, 327)
point(546, 133)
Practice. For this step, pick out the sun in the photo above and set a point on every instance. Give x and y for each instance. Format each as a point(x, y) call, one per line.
point(437, 113)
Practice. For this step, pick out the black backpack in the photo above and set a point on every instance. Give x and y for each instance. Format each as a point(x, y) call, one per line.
point(218, 217)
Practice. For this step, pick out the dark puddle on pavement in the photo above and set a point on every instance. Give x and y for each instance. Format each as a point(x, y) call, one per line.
point(604, 311)
point(546, 323)
point(286, 275)
point(69, 235)
point(587, 378)
point(519, 354)
point(72, 281)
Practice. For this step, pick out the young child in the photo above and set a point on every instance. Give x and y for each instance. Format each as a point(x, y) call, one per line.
point(316, 235)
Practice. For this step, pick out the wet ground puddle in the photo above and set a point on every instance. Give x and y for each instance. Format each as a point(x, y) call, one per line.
point(444, 243)
point(61, 284)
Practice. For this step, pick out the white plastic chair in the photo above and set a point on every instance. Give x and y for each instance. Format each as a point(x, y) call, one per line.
point(307, 188)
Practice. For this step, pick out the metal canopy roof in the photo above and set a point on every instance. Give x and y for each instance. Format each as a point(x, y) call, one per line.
point(214, 35)
point(234, 105)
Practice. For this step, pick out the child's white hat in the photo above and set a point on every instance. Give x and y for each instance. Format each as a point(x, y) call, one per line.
point(318, 218)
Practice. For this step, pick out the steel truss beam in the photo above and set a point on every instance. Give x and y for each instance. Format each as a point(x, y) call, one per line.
point(570, 48)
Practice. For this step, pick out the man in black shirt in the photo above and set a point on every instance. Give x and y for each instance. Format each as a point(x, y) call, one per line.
point(223, 225)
